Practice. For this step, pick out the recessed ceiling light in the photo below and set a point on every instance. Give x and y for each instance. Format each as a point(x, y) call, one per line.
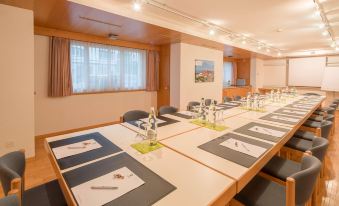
point(268, 50)
point(136, 6)
point(317, 13)
point(243, 42)
point(337, 48)
point(211, 32)
point(325, 33)
point(279, 53)
point(259, 47)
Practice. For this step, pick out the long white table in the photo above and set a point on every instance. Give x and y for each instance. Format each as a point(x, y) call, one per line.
point(201, 178)
point(195, 183)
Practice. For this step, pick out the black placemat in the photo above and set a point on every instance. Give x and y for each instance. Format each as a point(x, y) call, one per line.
point(292, 113)
point(245, 130)
point(167, 120)
point(107, 148)
point(268, 117)
point(184, 116)
point(153, 190)
point(240, 158)
point(307, 107)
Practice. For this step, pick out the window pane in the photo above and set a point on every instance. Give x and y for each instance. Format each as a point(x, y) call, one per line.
point(97, 67)
point(228, 70)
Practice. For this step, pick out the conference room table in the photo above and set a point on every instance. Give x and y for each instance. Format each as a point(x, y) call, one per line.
point(195, 165)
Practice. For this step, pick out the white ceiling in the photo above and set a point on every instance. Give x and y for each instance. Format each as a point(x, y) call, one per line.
point(298, 26)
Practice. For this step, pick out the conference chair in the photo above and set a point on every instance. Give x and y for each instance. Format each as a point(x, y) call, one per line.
point(263, 190)
point(12, 169)
point(10, 200)
point(237, 98)
point(208, 102)
point(318, 128)
point(227, 99)
point(167, 110)
point(134, 115)
point(311, 94)
point(191, 105)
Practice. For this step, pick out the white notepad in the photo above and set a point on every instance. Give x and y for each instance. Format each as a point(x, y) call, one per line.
point(75, 148)
point(289, 119)
point(243, 147)
point(267, 131)
point(231, 104)
point(188, 113)
point(159, 121)
point(302, 106)
point(86, 196)
point(294, 112)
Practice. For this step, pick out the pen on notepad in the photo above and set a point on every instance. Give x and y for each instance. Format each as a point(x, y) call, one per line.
point(104, 188)
point(76, 147)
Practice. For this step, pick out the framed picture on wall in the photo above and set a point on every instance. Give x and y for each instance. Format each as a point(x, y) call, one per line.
point(204, 71)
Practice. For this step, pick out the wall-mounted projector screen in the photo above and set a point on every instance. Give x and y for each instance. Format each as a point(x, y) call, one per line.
point(306, 71)
point(330, 80)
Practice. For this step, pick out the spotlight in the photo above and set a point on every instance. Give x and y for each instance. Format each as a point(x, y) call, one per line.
point(243, 42)
point(268, 50)
point(321, 26)
point(279, 53)
point(337, 48)
point(325, 33)
point(136, 6)
point(333, 44)
point(211, 32)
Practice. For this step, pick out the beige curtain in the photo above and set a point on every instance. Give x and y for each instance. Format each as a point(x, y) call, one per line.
point(234, 73)
point(60, 81)
point(152, 71)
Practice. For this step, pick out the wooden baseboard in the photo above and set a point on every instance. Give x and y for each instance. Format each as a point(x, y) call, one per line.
point(74, 130)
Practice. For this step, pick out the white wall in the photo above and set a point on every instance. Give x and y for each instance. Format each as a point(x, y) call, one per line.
point(256, 74)
point(16, 80)
point(64, 113)
point(306, 71)
point(274, 73)
point(184, 74)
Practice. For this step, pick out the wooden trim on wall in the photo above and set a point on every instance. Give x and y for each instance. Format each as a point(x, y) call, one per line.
point(43, 136)
point(92, 38)
point(107, 92)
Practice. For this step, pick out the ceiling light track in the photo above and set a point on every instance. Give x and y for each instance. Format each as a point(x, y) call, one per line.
point(99, 21)
point(213, 28)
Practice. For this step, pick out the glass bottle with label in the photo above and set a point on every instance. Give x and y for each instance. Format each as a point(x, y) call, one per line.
point(152, 127)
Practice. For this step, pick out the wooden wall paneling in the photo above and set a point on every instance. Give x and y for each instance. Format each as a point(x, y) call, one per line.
point(163, 95)
point(91, 38)
point(25, 4)
point(244, 70)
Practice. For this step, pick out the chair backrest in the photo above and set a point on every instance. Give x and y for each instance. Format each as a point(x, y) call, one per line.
point(326, 128)
point(319, 147)
point(190, 105)
point(167, 110)
point(237, 98)
point(10, 200)
point(306, 178)
point(227, 99)
point(12, 165)
point(311, 94)
point(208, 102)
point(134, 115)
point(330, 110)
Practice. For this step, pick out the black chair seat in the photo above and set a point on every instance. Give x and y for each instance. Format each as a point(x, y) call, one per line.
point(330, 117)
point(299, 144)
point(281, 168)
point(48, 194)
point(317, 118)
point(262, 192)
point(305, 135)
point(313, 124)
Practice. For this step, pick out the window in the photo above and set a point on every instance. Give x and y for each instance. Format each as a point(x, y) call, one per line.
point(228, 70)
point(97, 68)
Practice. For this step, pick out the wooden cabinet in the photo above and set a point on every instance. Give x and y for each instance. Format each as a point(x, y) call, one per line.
point(236, 91)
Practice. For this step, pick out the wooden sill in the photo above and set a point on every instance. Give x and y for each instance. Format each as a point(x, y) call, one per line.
point(106, 92)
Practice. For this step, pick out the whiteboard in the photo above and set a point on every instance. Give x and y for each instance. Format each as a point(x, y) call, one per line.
point(306, 71)
point(330, 81)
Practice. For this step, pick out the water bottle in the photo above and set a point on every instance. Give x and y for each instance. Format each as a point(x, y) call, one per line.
point(152, 127)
